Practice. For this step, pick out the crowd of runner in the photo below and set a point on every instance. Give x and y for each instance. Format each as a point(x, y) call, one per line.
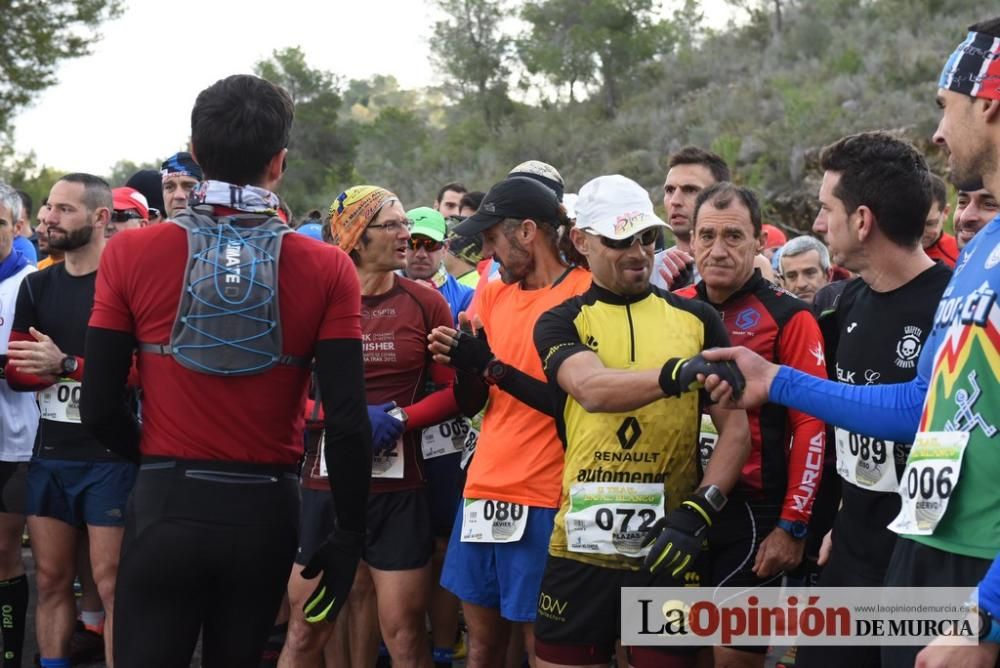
point(455, 432)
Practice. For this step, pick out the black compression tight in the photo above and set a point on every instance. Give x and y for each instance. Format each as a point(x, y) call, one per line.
point(204, 552)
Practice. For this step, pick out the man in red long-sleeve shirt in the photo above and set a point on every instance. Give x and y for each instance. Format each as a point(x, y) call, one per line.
point(761, 532)
point(73, 480)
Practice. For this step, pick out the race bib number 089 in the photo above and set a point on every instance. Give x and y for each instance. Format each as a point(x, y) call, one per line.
point(866, 462)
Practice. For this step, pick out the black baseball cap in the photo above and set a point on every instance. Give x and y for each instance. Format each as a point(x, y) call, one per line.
point(514, 197)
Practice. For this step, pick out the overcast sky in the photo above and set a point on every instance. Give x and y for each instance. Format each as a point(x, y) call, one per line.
point(131, 98)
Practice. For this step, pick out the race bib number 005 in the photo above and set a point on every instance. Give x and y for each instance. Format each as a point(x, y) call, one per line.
point(707, 440)
point(612, 518)
point(866, 462)
point(929, 480)
point(447, 438)
point(61, 402)
point(489, 521)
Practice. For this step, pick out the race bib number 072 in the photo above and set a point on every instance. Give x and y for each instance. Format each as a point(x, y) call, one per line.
point(612, 518)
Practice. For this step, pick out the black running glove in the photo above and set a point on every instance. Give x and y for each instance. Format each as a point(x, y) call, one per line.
point(471, 352)
point(337, 559)
point(677, 538)
point(681, 375)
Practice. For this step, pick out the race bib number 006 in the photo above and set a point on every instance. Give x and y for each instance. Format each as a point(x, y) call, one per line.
point(61, 402)
point(612, 518)
point(489, 521)
point(866, 462)
point(929, 480)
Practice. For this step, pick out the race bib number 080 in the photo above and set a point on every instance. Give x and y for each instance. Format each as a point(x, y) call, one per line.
point(61, 402)
point(929, 481)
point(490, 521)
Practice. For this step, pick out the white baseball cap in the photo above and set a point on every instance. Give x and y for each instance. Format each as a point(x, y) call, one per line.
point(615, 207)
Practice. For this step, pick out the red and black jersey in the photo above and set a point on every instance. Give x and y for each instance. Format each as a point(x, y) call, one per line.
point(398, 367)
point(786, 457)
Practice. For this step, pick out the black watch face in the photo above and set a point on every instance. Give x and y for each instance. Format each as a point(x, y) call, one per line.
point(69, 365)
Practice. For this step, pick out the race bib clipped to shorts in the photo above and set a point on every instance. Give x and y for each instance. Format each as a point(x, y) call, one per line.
point(490, 521)
point(228, 321)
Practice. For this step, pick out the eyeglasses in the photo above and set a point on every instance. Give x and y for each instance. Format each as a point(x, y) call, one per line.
point(153, 213)
point(124, 216)
point(645, 238)
point(392, 227)
point(428, 245)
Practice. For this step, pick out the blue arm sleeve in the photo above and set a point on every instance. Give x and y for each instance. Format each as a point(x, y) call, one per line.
point(989, 590)
point(884, 411)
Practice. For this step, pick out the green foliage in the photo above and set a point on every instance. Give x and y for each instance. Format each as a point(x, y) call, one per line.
point(321, 150)
point(35, 37)
point(471, 49)
point(766, 92)
point(123, 169)
point(23, 172)
point(592, 42)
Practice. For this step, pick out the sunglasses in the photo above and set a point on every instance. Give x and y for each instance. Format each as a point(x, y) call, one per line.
point(428, 245)
point(645, 238)
point(124, 216)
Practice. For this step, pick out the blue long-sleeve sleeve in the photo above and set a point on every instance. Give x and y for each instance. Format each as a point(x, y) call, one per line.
point(989, 590)
point(884, 411)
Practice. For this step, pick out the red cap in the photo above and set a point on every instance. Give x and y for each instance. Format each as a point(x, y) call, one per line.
point(126, 198)
point(775, 237)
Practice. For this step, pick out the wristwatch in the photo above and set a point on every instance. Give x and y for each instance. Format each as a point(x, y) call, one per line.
point(794, 529)
point(716, 497)
point(495, 371)
point(69, 365)
point(399, 414)
point(989, 627)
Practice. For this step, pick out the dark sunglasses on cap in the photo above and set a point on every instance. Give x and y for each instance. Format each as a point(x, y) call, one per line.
point(646, 237)
point(428, 245)
point(124, 216)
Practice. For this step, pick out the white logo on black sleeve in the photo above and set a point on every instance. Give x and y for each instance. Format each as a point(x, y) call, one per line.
point(908, 347)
